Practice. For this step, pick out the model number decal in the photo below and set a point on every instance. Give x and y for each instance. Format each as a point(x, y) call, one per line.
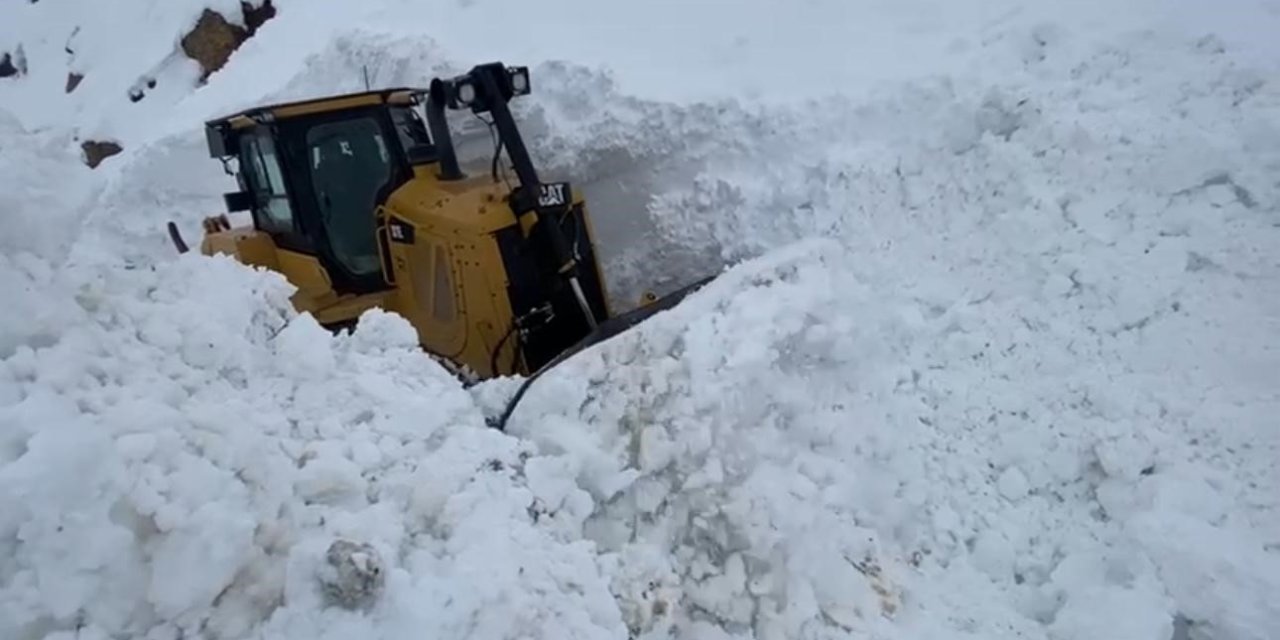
point(400, 231)
point(553, 195)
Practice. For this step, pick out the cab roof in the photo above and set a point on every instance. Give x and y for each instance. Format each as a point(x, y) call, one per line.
point(322, 104)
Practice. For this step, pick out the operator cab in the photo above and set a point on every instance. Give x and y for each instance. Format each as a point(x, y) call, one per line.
point(312, 174)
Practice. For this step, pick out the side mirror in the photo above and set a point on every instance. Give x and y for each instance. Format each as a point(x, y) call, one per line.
point(238, 201)
point(221, 141)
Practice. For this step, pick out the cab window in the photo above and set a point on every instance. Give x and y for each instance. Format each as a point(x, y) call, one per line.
point(266, 181)
point(412, 133)
point(350, 164)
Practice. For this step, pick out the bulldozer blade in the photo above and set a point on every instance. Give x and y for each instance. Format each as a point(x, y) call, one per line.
point(604, 331)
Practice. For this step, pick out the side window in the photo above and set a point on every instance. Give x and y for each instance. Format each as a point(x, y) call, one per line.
point(266, 180)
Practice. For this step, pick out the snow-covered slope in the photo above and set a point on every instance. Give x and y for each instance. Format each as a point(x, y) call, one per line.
point(996, 355)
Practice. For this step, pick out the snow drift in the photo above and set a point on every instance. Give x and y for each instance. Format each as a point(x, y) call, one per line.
point(995, 357)
point(174, 465)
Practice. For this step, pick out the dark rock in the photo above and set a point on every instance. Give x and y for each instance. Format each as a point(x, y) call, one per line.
point(7, 69)
point(73, 81)
point(211, 42)
point(96, 151)
point(254, 18)
point(214, 39)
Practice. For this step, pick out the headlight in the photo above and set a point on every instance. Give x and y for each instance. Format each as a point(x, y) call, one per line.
point(520, 80)
point(466, 93)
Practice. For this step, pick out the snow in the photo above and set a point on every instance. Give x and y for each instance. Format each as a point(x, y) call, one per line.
point(209, 479)
point(993, 355)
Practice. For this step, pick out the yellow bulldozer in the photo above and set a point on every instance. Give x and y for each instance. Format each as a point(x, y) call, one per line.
point(360, 201)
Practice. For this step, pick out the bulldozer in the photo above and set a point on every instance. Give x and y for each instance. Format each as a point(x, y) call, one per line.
point(359, 200)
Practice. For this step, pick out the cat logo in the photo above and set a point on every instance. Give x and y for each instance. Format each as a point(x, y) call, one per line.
point(552, 195)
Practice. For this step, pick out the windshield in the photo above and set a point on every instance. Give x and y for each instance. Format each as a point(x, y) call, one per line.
point(472, 140)
point(474, 143)
point(350, 166)
point(412, 132)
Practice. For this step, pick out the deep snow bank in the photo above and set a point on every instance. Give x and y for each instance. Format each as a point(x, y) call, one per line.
point(179, 461)
point(46, 189)
point(1037, 363)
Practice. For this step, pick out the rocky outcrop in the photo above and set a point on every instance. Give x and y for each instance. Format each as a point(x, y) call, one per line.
point(96, 151)
point(13, 64)
point(214, 38)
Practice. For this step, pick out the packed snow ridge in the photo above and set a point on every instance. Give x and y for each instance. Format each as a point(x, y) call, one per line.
point(995, 356)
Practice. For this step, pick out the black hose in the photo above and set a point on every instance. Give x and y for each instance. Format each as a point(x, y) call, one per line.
point(493, 357)
point(501, 422)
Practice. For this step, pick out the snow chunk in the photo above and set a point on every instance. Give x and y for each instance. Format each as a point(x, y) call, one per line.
point(304, 342)
point(1113, 612)
point(1013, 483)
point(1223, 581)
point(378, 330)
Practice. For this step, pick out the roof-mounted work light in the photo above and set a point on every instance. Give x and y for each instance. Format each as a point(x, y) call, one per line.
point(472, 90)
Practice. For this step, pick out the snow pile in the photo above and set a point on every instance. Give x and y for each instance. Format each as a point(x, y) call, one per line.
point(1034, 365)
point(711, 442)
point(180, 461)
point(42, 205)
